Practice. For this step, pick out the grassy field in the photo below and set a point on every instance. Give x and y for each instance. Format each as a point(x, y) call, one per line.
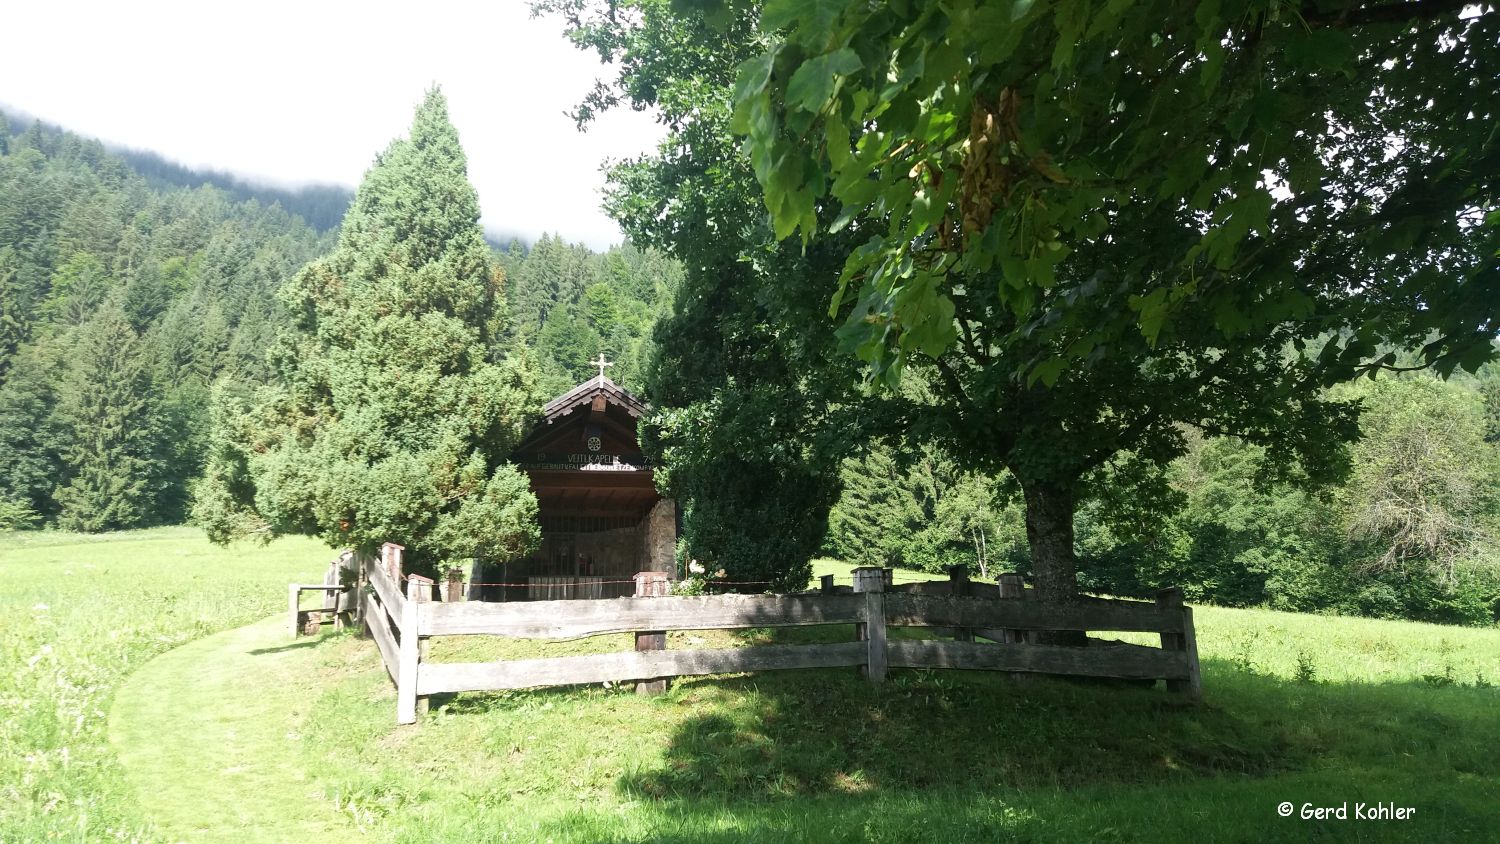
point(81, 613)
point(1297, 708)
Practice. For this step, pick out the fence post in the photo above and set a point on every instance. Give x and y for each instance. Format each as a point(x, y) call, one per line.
point(343, 602)
point(293, 594)
point(361, 582)
point(958, 587)
point(825, 584)
point(1014, 588)
point(331, 578)
point(871, 581)
point(418, 591)
point(1186, 642)
point(453, 586)
point(390, 560)
point(651, 584)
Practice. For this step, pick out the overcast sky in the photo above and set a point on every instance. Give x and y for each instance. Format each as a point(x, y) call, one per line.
point(309, 91)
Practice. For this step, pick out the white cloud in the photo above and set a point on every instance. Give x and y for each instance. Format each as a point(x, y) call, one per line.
point(309, 91)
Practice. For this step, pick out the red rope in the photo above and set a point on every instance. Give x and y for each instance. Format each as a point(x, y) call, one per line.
point(411, 577)
point(582, 583)
point(603, 582)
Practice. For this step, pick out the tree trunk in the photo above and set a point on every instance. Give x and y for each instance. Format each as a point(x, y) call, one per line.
point(984, 553)
point(1049, 532)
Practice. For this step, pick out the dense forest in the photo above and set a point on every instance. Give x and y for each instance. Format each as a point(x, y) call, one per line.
point(127, 296)
point(568, 304)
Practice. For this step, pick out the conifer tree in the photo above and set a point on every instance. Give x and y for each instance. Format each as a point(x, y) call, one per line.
point(391, 423)
point(30, 434)
point(15, 316)
point(108, 409)
point(538, 286)
point(76, 289)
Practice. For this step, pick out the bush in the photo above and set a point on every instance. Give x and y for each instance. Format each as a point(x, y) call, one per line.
point(17, 515)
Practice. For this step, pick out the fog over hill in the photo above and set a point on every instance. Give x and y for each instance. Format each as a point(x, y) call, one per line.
point(322, 206)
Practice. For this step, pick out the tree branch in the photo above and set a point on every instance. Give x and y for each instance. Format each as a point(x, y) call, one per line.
point(951, 379)
point(1413, 10)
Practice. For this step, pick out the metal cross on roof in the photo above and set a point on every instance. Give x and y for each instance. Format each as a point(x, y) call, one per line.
point(601, 363)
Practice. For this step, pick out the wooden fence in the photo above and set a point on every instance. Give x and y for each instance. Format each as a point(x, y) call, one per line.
point(400, 621)
point(339, 601)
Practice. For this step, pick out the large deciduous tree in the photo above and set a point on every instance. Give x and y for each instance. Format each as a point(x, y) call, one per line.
point(1092, 224)
point(396, 411)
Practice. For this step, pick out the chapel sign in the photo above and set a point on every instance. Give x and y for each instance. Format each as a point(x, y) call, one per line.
point(588, 461)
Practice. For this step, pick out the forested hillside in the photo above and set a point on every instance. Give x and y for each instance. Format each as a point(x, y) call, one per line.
point(567, 304)
point(321, 206)
point(125, 297)
point(120, 304)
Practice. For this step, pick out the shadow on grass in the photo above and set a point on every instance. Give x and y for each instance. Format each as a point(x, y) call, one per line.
point(308, 642)
point(823, 755)
point(975, 756)
point(808, 734)
point(805, 735)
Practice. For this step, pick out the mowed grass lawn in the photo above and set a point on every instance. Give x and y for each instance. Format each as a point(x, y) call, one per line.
point(82, 612)
point(1297, 708)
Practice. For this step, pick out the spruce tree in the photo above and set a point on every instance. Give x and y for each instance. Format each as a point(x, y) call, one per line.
point(31, 438)
point(15, 315)
point(76, 289)
point(390, 422)
point(538, 286)
point(108, 409)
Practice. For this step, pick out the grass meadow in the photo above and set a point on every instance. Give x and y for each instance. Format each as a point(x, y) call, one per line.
point(82, 612)
point(1301, 709)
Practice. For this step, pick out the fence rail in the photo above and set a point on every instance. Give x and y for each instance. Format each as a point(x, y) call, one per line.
point(436, 678)
point(1007, 615)
point(563, 620)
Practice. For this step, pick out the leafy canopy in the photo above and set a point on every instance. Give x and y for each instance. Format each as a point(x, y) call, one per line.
point(1243, 163)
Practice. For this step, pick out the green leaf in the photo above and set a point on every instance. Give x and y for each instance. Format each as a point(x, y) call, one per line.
point(1047, 371)
point(1229, 320)
point(817, 15)
point(1153, 313)
point(812, 84)
point(836, 131)
point(1326, 47)
point(1213, 66)
point(1206, 16)
point(753, 75)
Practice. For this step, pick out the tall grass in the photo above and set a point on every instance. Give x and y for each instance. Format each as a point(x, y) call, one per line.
point(80, 613)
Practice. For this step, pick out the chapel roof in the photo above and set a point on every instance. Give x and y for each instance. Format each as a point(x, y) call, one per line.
point(584, 393)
